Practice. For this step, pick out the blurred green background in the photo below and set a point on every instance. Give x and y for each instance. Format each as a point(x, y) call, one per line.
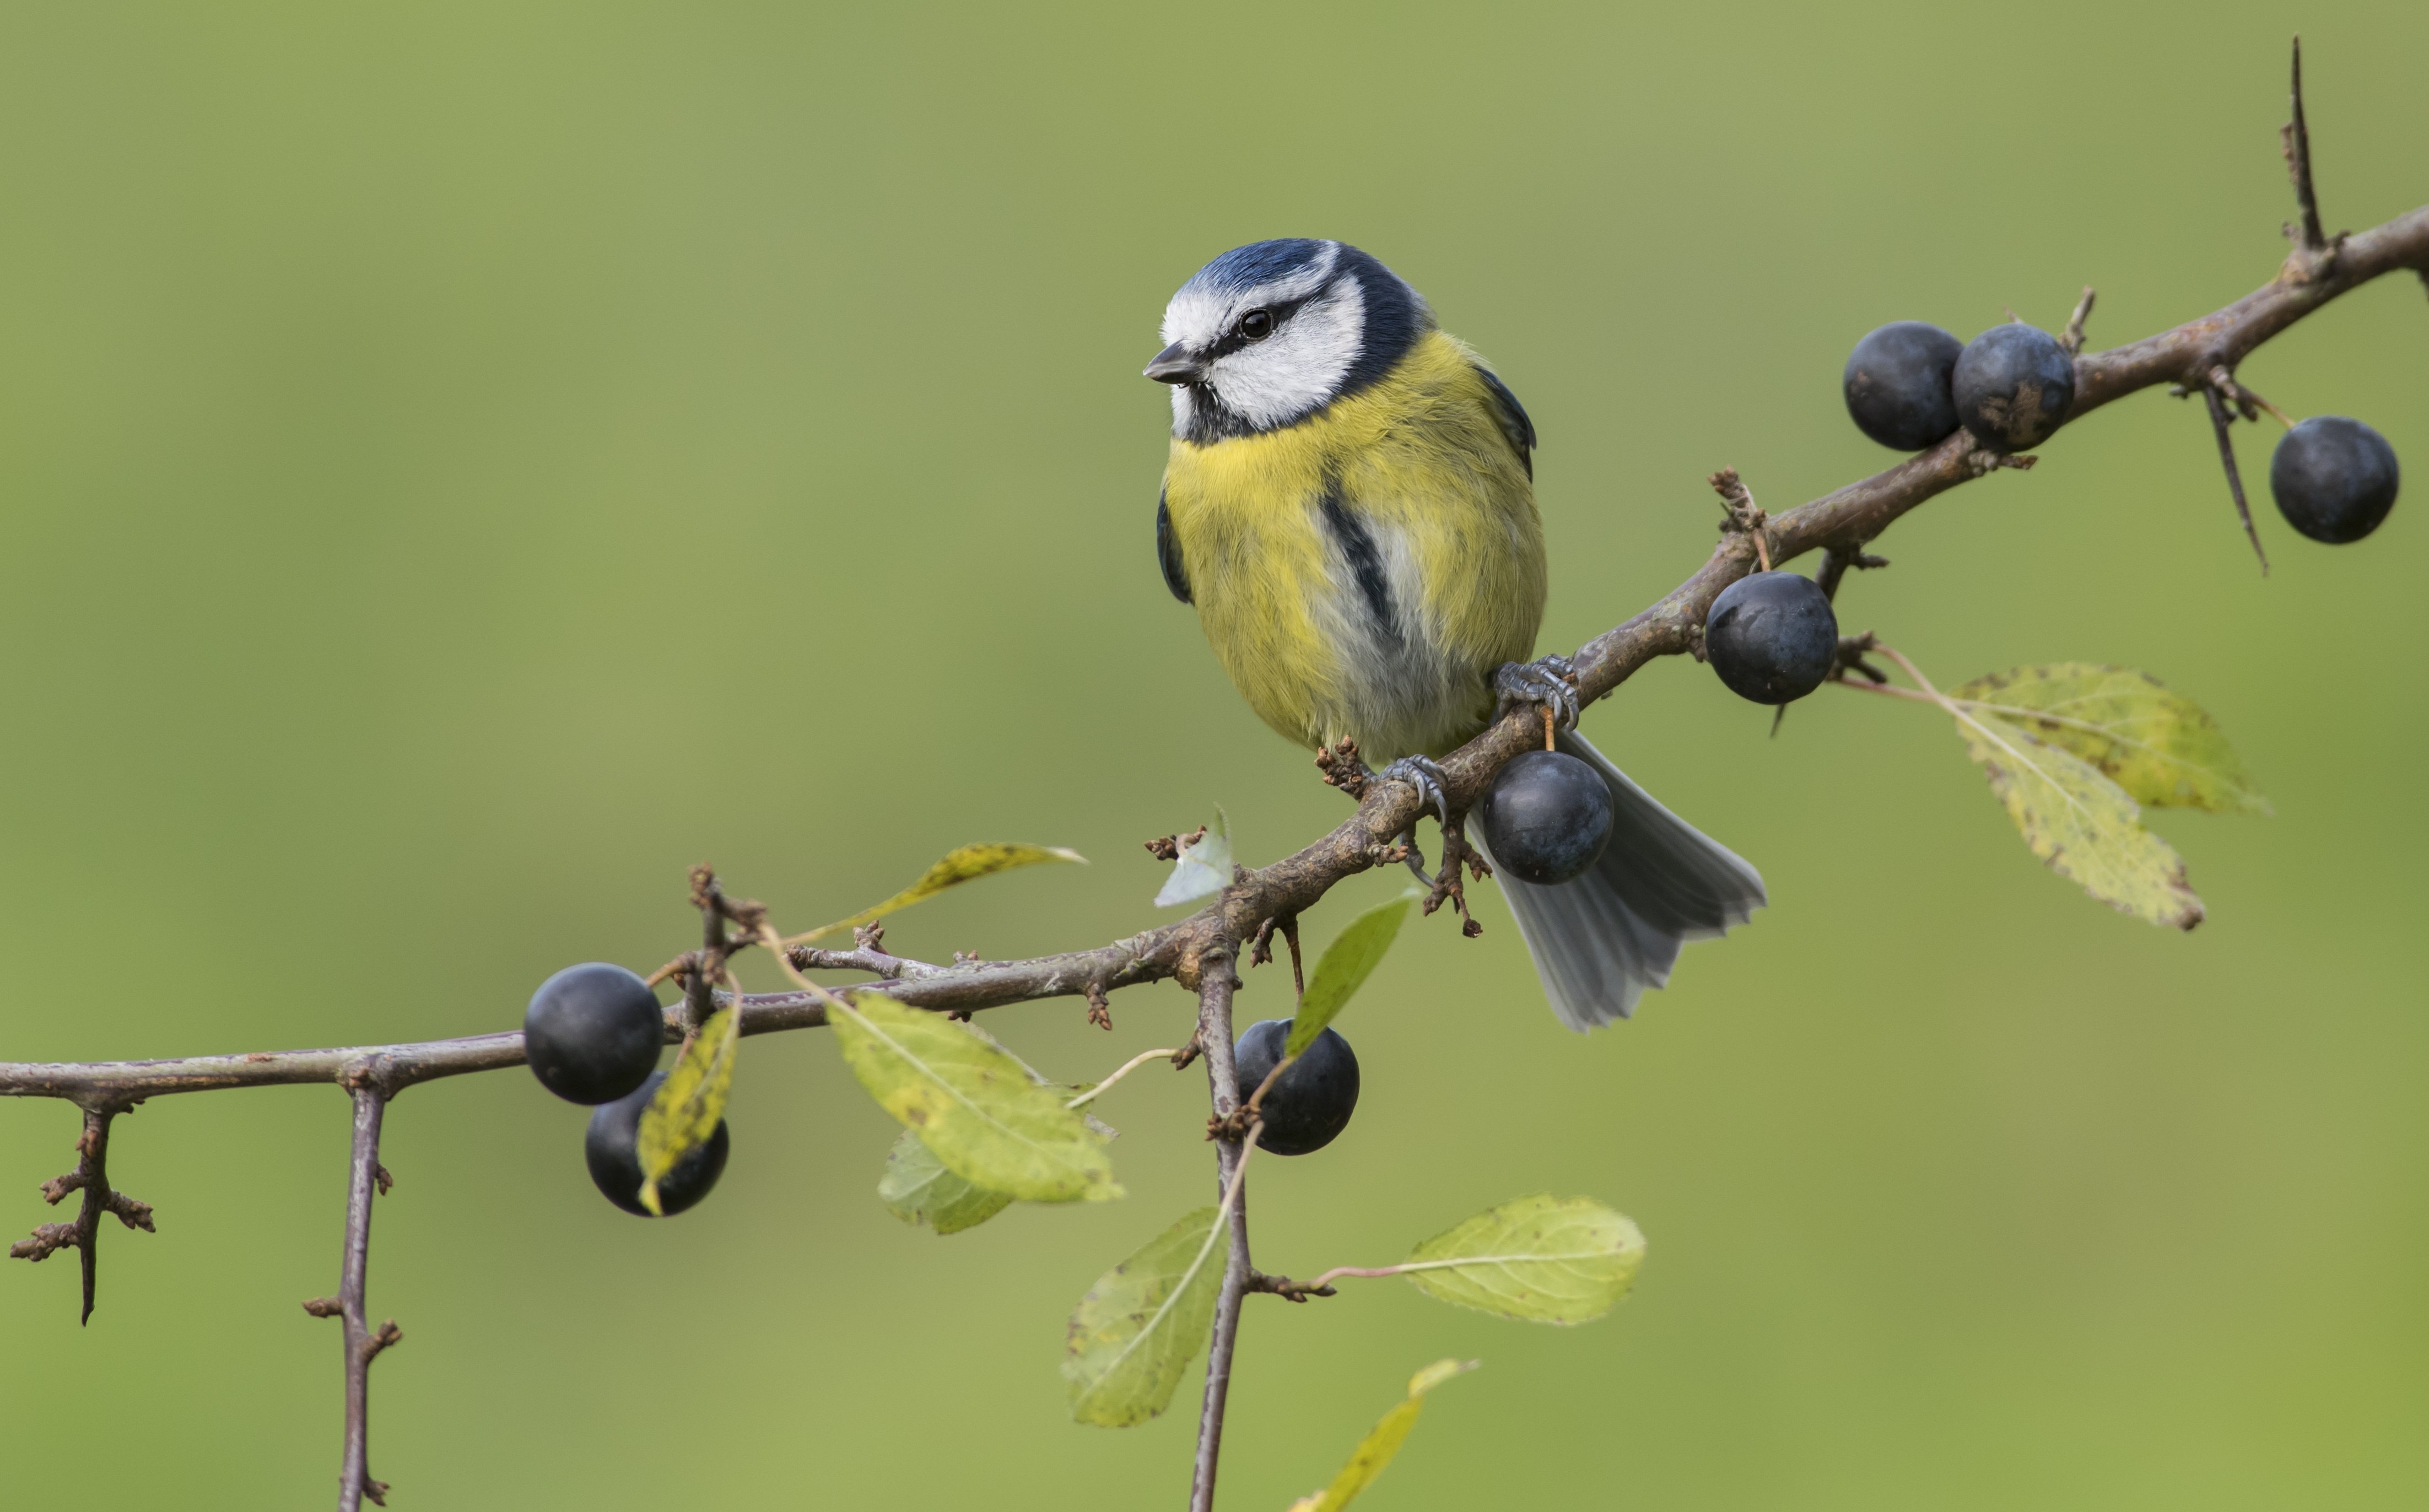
point(462, 464)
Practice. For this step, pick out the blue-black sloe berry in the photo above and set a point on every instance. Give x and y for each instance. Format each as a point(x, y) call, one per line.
point(1899, 385)
point(1771, 636)
point(2334, 478)
point(592, 1032)
point(1546, 817)
point(612, 1149)
point(1311, 1103)
point(2015, 384)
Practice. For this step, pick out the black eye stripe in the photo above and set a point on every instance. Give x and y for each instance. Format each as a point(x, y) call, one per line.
point(1235, 339)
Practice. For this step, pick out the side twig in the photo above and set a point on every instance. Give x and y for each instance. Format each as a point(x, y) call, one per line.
point(92, 1178)
point(1216, 985)
point(362, 1344)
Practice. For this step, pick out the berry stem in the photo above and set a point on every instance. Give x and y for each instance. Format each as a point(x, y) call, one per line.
point(1127, 1066)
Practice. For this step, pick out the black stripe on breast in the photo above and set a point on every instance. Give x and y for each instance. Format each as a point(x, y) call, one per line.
point(1167, 551)
point(1349, 533)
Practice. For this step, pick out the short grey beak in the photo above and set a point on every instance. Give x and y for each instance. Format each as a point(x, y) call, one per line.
point(1174, 365)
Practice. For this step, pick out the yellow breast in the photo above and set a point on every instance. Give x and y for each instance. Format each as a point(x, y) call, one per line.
point(1360, 574)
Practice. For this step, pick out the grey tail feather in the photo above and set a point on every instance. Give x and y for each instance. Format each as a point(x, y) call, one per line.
point(1602, 939)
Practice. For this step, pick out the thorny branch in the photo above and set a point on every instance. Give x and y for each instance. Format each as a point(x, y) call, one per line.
point(1197, 952)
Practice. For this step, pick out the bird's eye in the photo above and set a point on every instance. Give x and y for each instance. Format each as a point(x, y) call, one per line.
point(1257, 324)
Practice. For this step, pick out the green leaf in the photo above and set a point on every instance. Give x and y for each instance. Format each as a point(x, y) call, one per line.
point(1376, 1450)
point(2160, 746)
point(1139, 1326)
point(967, 863)
point(917, 1189)
point(2082, 826)
point(1348, 962)
point(690, 1103)
point(974, 1104)
point(1538, 1259)
point(1205, 866)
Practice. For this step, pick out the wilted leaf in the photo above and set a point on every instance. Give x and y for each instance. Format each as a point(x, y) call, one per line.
point(918, 1189)
point(1538, 1259)
point(690, 1103)
point(1204, 867)
point(967, 863)
point(1348, 962)
point(2160, 746)
point(976, 1106)
point(1376, 1450)
point(1138, 1327)
point(2082, 826)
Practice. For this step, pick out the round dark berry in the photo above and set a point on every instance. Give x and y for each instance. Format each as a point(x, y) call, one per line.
point(1771, 636)
point(1546, 817)
point(1311, 1103)
point(612, 1147)
point(1899, 384)
point(592, 1032)
point(2334, 479)
point(2015, 384)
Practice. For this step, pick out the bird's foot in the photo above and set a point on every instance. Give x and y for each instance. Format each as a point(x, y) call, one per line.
point(1421, 773)
point(1549, 683)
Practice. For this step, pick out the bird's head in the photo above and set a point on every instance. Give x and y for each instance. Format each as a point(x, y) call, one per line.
point(1268, 334)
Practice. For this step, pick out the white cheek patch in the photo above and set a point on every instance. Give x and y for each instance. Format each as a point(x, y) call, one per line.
point(1301, 365)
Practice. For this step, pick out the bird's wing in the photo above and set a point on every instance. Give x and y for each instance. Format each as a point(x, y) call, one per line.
point(1168, 550)
point(1512, 417)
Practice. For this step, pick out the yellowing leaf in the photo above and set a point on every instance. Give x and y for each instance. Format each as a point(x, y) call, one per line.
point(1138, 1327)
point(2082, 826)
point(2160, 746)
point(690, 1103)
point(1348, 962)
point(918, 1189)
point(1538, 1259)
point(1203, 868)
point(973, 1105)
point(967, 863)
point(1376, 1450)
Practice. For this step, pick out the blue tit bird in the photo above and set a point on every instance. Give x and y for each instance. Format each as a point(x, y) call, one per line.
point(1350, 507)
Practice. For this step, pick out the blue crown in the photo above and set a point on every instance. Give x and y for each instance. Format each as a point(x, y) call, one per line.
point(1259, 263)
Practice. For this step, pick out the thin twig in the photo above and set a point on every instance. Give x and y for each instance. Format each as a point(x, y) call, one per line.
point(2071, 338)
point(362, 1344)
point(1744, 517)
point(92, 1178)
point(1215, 984)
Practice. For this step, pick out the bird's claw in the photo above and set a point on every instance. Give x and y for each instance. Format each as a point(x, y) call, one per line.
point(1420, 772)
point(1551, 683)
